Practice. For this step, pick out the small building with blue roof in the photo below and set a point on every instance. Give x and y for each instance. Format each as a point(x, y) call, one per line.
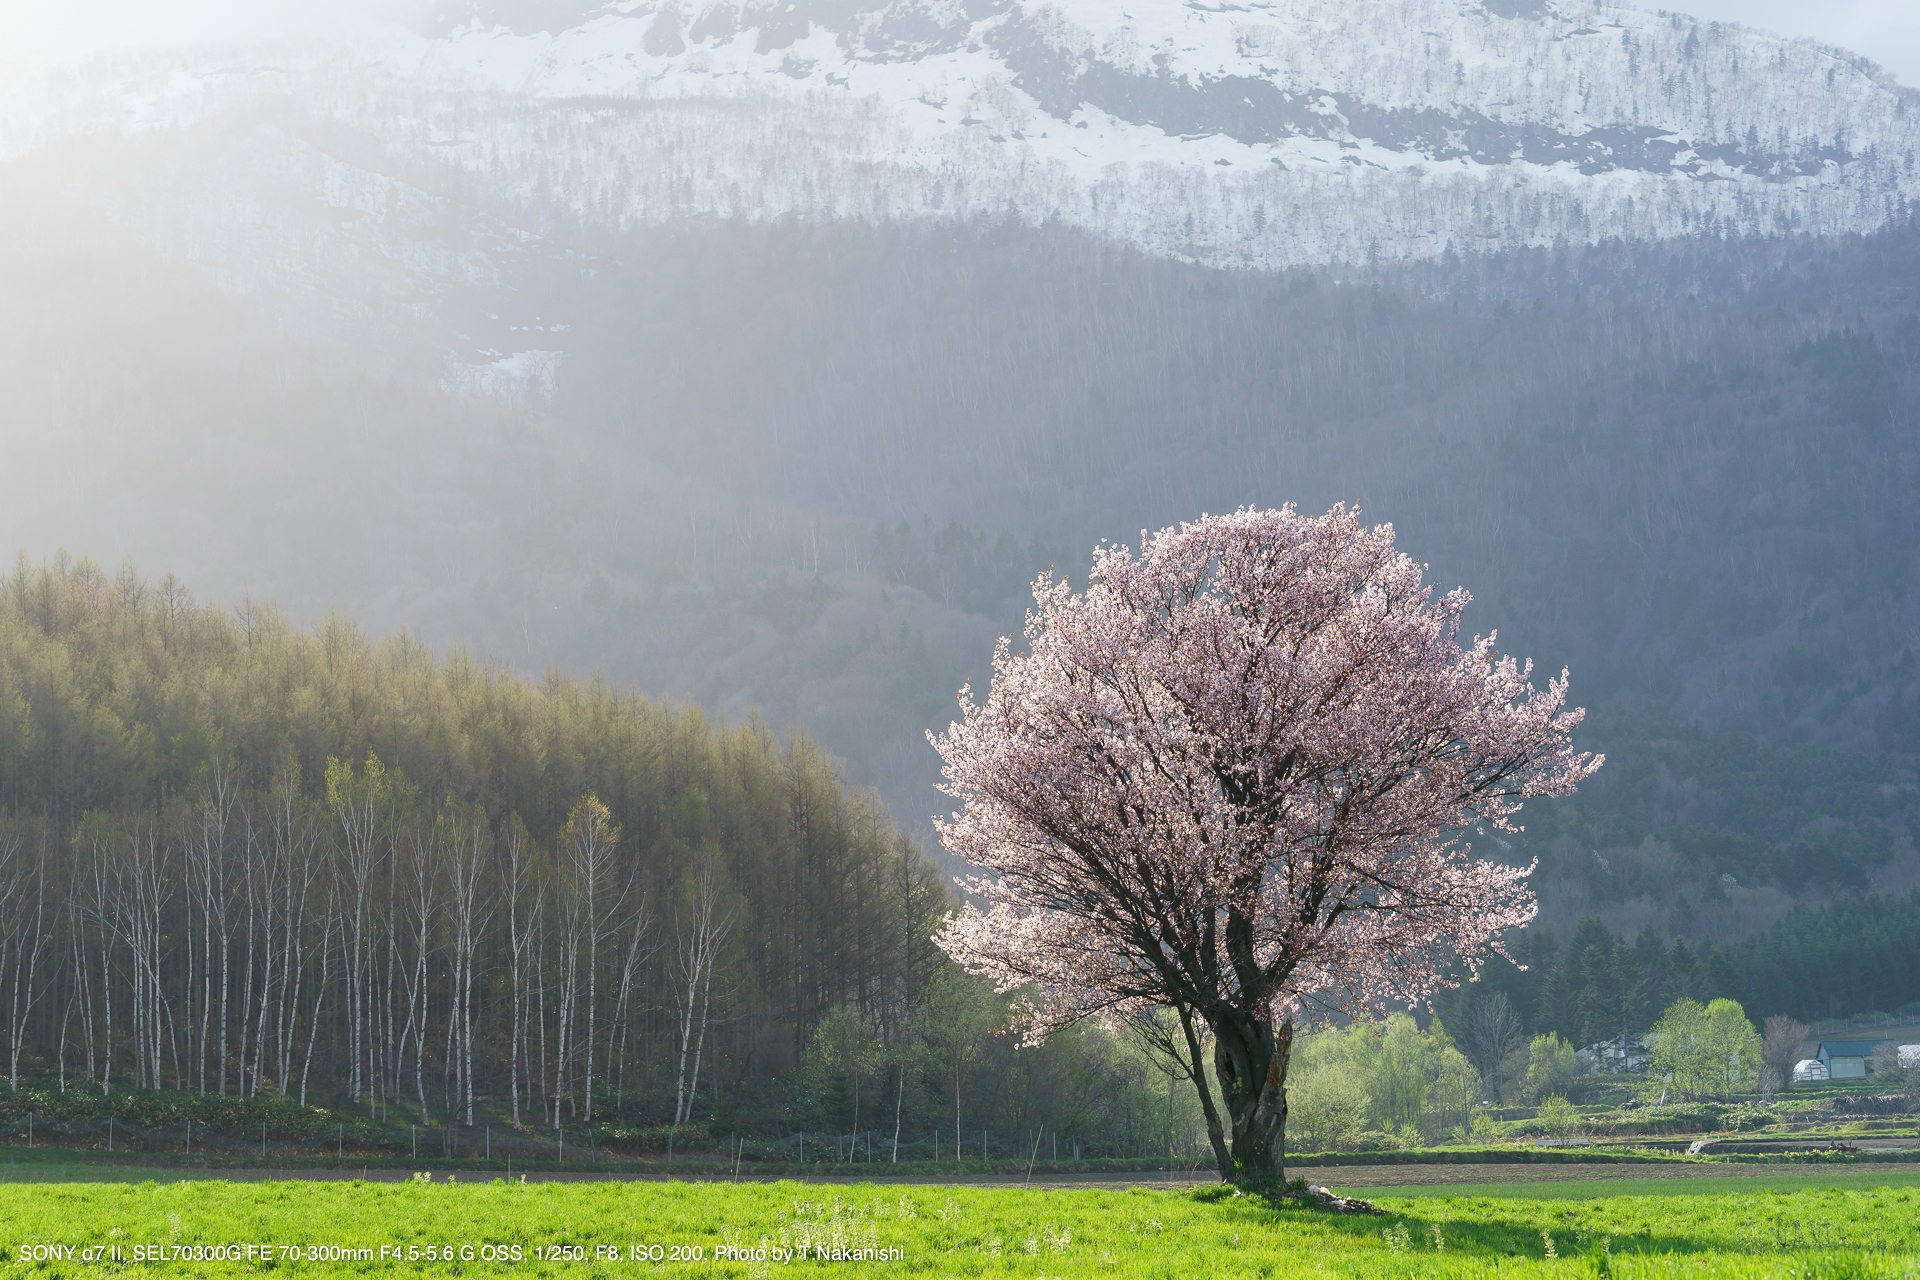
point(1847, 1059)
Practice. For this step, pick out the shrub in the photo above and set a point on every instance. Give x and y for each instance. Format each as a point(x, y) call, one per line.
point(1558, 1117)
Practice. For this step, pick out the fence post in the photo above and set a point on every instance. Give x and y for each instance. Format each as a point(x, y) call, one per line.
point(413, 1131)
point(109, 1133)
point(489, 1144)
point(340, 1143)
point(29, 1130)
point(263, 1139)
point(189, 1136)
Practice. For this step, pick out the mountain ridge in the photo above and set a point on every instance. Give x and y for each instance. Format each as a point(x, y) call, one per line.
point(1260, 136)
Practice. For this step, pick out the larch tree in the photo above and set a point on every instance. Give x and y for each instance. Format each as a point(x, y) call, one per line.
point(1233, 779)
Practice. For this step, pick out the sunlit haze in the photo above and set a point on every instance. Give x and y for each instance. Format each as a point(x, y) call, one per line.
point(41, 32)
point(1887, 31)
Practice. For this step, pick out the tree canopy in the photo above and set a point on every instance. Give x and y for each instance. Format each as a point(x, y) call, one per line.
point(1230, 778)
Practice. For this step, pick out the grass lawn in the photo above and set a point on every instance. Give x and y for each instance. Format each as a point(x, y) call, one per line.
point(1870, 1226)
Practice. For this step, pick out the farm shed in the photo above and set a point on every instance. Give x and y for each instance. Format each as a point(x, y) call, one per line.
point(1847, 1059)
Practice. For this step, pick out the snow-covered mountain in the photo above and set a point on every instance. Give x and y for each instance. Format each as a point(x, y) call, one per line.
point(1264, 134)
point(402, 183)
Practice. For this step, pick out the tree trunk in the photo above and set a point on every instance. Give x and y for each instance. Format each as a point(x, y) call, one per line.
point(1216, 1132)
point(1250, 1056)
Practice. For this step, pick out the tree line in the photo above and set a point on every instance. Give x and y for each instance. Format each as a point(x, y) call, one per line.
point(1856, 955)
point(240, 857)
point(262, 862)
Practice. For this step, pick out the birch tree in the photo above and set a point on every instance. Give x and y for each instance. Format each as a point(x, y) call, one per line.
point(588, 905)
point(360, 806)
point(702, 934)
point(24, 938)
point(468, 849)
point(293, 839)
point(211, 891)
point(525, 892)
point(421, 907)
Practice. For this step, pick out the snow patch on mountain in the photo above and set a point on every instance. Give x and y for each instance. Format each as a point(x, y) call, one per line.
point(523, 379)
point(1266, 135)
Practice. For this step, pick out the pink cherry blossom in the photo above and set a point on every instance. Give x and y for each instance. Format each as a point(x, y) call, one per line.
point(1234, 777)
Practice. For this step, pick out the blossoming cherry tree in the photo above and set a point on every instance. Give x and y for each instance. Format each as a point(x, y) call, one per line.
point(1233, 778)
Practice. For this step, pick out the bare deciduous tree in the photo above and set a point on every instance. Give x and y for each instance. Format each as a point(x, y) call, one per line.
point(1781, 1041)
point(1489, 1033)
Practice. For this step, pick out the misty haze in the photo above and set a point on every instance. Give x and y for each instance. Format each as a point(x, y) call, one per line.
point(515, 503)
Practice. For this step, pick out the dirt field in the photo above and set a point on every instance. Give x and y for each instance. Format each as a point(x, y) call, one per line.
point(1420, 1175)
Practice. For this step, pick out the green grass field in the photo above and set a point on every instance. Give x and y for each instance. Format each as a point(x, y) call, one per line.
point(1821, 1225)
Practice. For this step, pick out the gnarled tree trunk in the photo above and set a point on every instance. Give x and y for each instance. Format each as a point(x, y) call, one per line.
point(1250, 1057)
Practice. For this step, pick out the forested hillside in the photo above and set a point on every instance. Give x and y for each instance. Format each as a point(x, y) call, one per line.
point(245, 859)
point(242, 856)
point(1713, 836)
point(1856, 956)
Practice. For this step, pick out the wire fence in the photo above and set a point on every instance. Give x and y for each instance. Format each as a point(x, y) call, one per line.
point(480, 1142)
point(562, 1145)
point(877, 1146)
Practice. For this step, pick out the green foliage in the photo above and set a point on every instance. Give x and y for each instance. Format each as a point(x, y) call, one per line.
point(1854, 954)
point(1733, 1044)
point(156, 1108)
point(1454, 1090)
point(1683, 1051)
point(1686, 1117)
point(1558, 1117)
point(1378, 1087)
point(1612, 1001)
point(1326, 1109)
point(1550, 1067)
point(843, 1063)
